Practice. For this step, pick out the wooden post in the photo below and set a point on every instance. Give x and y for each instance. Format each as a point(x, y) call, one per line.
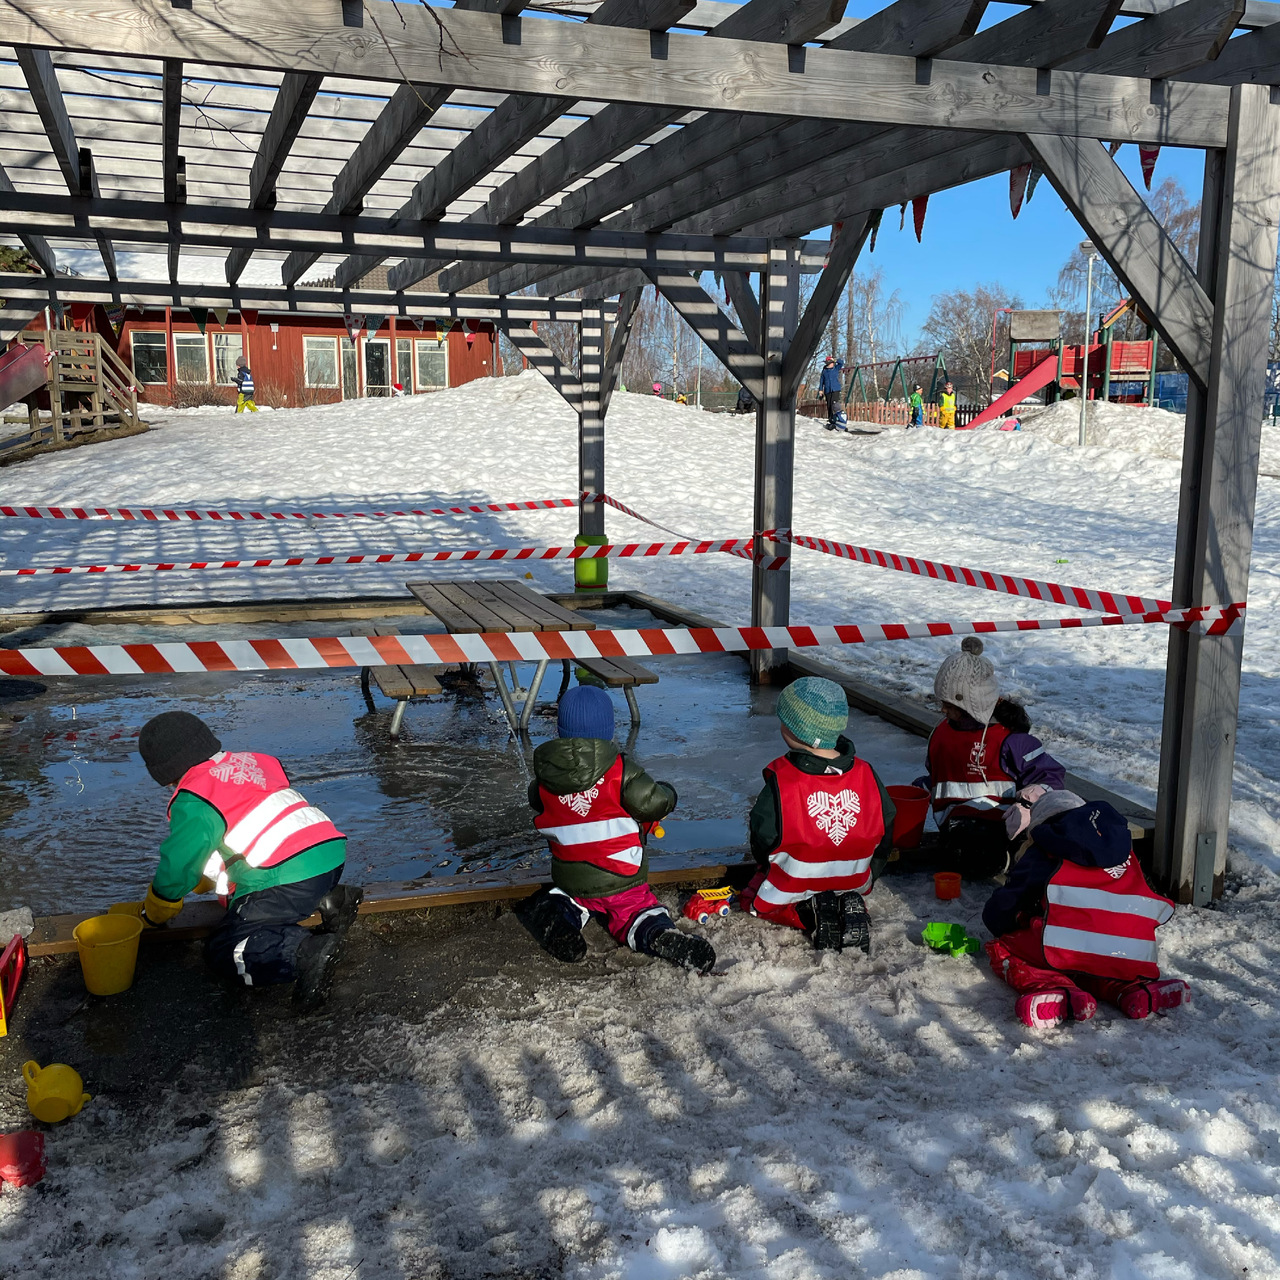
point(775, 455)
point(591, 419)
point(1219, 484)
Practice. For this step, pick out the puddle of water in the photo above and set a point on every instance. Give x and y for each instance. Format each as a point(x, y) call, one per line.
point(81, 821)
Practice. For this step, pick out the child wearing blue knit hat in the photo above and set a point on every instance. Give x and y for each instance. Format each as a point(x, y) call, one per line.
point(821, 829)
point(595, 807)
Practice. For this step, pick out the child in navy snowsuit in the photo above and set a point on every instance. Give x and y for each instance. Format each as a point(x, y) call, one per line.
point(980, 758)
point(1076, 920)
point(829, 384)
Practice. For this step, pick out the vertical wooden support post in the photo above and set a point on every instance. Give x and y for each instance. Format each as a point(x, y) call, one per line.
point(591, 419)
point(1219, 484)
point(775, 455)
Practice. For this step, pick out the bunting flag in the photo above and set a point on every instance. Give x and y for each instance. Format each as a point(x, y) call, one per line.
point(918, 206)
point(115, 317)
point(1032, 179)
point(902, 216)
point(875, 228)
point(471, 337)
point(1113, 147)
point(354, 325)
point(1147, 157)
point(220, 315)
point(418, 322)
point(249, 317)
point(1018, 176)
point(201, 316)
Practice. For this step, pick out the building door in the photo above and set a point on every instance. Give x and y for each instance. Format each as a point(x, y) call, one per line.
point(377, 367)
point(350, 369)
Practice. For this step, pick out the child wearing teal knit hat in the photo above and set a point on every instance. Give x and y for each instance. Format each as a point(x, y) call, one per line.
point(821, 829)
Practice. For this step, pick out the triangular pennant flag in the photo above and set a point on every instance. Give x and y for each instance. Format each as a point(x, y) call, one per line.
point(1033, 178)
point(1018, 176)
point(115, 317)
point(354, 325)
point(902, 215)
point(875, 228)
point(471, 337)
point(220, 315)
point(418, 322)
point(1147, 157)
point(918, 206)
point(1113, 147)
point(249, 317)
point(201, 316)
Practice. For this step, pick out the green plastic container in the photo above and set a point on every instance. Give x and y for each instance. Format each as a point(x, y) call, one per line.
point(591, 575)
point(951, 939)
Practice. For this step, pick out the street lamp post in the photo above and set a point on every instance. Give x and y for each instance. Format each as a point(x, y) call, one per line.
point(1091, 254)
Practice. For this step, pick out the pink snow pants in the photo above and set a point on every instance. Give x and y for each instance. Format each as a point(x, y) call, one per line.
point(1019, 959)
point(783, 913)
point(621, 912)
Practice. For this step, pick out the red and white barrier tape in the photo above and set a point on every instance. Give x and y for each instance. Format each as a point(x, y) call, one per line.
point(364, 651)
point(612, 551)
point(770, 562)
point(1007, 583)
point(161, 515)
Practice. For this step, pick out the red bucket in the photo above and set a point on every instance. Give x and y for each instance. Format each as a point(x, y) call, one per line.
point(913, 808)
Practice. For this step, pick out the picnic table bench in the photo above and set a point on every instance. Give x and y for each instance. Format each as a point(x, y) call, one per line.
point(617, 673)
point(398, 682)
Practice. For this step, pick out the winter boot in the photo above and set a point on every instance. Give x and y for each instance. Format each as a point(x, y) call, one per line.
point(1041, 1009)
point(685, 949)
point(1145, 998)
point(856, 922)
point(316, 960)
point(548, 919)
point(828, 922)
point(338, 908)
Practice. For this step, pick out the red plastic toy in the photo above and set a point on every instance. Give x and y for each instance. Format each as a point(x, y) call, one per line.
point(706, 903)
point(22, 1161)
point(13, 964)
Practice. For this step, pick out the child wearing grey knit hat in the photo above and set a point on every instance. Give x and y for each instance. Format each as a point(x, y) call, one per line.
point(821, 830)
point(981, 758)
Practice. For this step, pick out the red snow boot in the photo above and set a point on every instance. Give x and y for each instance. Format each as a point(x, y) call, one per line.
point(1145, 998)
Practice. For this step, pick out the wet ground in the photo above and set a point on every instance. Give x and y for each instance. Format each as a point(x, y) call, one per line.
point(80, 820)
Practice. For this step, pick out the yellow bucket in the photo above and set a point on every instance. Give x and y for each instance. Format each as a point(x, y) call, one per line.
point(108, 948)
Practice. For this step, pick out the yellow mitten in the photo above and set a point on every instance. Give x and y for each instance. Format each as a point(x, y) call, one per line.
point(157, 910)
point(205, 885)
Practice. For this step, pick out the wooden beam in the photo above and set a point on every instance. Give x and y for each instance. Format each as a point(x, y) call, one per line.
point(611, 64)
point(591, 473)
point(734, 349)
point(738, 286)
point(1216, 516)
point(1182, 37)
point(1135, 245)
point(627, 305)
point(545, 361)
point(1251, 59)
point(845, 249)
point(173, 172)
point(37, 246)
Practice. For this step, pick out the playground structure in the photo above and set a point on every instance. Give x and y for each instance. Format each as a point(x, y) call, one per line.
point(931, 367)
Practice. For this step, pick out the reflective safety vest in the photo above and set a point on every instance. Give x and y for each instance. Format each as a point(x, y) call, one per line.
point(968, 781)
point(1103, 920)
point(831, 825)
point(947, 409)
point(592, 826)
point(267, 821)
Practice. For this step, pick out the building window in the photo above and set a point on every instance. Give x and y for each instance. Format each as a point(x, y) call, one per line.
point(227, 349)
point(350, 376)
point(433, 365)
point(190, 357)
point(321, 357)
point(404, 364)
point(150, 360)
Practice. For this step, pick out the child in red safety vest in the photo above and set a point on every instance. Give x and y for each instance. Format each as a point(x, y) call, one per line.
point(980, 757)
point(237, 826)
point(1076, 920)
point(821, 829)
point(594, 806)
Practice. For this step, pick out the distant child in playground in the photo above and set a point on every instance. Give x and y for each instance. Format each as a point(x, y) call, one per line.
point(980, 757)
point(947, 407)
point(821, 829)
point(594, 806)
point(1076, 920)
point(244, 387)
point(237, 826)
point(916, 402)
point(830, 385)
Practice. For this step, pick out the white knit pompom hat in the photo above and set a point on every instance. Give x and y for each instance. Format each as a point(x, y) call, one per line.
point(968, 680)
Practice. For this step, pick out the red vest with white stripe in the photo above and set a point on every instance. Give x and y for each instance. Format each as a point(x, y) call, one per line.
point(267, 821)
point(592, 826)
point(968, 781)
point(831, 825)
point(1103, 920)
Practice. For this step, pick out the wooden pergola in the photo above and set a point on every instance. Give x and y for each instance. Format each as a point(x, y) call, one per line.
point(589, 148)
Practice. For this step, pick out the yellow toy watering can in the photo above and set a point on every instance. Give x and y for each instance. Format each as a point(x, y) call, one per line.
point(55, 1092)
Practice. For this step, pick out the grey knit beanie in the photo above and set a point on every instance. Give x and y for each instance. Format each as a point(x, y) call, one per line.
point(968, 680)
point(815, 711)
point(1051, 804)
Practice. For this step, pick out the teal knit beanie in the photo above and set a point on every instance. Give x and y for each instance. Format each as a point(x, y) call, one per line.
point(815, 711)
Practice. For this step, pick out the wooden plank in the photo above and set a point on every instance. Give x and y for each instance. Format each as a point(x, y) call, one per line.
point(423, 679)
point(466, 600)
point(734, 349)
point(514, 615)
point(173, 189)
point(612, 367)
point(1183, 37)
point(618, 673)
point(37, 246)
point(1044, 36)
point(442, 607)
point(559, 618)
point(526, 340)
point(1250, 59)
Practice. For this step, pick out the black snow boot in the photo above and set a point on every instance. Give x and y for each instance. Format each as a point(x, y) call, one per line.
point(316, 960)
point(857, 922)
point(549, 922)
point(685, 949)
point(338, 908)
point(828, 925)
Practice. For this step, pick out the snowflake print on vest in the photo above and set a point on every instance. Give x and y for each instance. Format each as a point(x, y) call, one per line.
point(580, 801)
point(836, 815)
point(238, 768)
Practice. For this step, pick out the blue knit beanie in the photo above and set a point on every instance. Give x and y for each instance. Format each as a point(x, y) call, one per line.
point(815, 711)
point(585, 712)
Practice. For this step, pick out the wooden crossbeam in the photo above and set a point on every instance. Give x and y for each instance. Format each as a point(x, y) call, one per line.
point(546, 362)
point(611, 64)
point(172, 168)
point(37, 246)
point(612, 365)
point(1184, 36)
point(733, 348)
point(1250, 59)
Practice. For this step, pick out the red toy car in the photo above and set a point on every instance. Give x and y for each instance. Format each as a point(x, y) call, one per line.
point(706, 903)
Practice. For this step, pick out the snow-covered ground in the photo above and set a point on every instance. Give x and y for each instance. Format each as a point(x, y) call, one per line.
point(796, 1116)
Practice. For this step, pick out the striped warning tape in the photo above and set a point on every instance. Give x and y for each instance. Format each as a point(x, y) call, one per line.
point(161, 515)
point(612, 551)
point(768, 562)
point(1009, 584)
point(365, 651)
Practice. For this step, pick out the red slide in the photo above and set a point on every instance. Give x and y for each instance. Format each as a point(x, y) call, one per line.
point(22, 371)
point(1039, 378)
